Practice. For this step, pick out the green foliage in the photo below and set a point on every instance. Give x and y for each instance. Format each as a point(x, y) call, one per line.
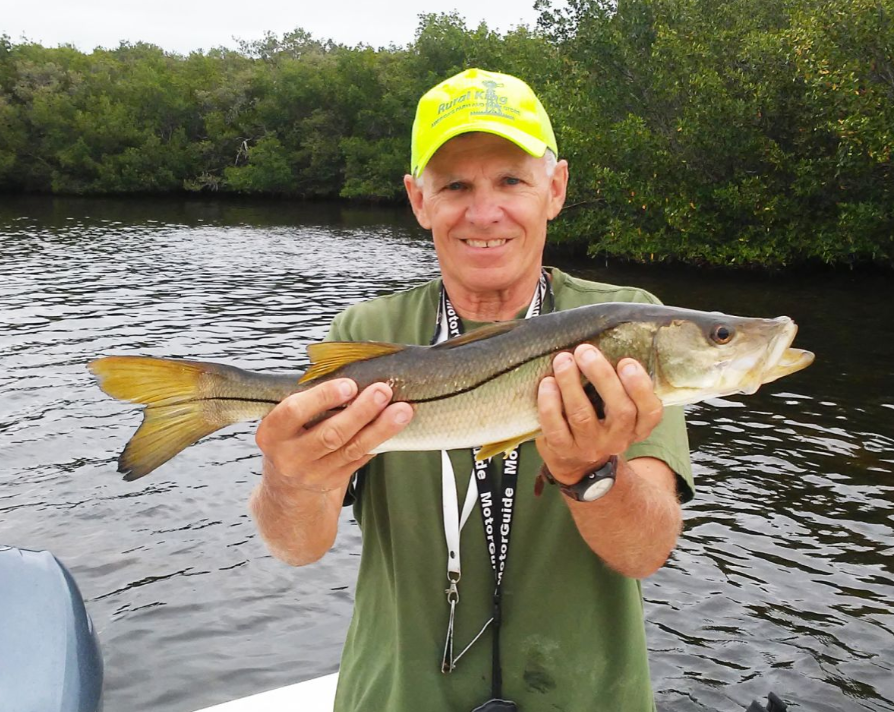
point(266, 169)
point(373, 169)
point(710, 131)
point(727, 131)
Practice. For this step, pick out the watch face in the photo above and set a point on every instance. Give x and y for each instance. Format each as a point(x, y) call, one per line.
point(597, 489)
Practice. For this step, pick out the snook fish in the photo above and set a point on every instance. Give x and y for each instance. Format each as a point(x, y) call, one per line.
point(478, 388)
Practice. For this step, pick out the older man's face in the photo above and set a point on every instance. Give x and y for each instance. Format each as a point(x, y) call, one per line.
point(487, 203)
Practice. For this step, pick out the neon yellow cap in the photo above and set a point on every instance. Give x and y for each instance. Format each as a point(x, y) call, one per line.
point(477, 100)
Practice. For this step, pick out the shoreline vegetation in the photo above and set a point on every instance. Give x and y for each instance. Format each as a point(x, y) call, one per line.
point(715, 132)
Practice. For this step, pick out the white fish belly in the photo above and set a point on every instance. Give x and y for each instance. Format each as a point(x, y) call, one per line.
point(503, 408)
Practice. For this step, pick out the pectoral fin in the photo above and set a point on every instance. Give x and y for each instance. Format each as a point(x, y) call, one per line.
point(505, 446)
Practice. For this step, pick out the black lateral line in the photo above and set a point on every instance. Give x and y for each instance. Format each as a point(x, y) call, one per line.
point(480, 383)
point(213, 398)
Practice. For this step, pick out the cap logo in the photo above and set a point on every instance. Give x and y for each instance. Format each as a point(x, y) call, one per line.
point(484, 102)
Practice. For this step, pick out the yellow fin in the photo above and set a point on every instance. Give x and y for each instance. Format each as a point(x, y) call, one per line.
point(329, 356)
point(152, 381)
point(505, 446)
point(165, 431)
point(485, 332)
point(185, 401)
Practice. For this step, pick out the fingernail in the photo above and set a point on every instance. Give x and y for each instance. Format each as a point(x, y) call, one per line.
point(402, 416)
point(547, 385)
point(380, 397)
point(346, 389)
point(588, 356)
point(630, 369)
point(562, 362)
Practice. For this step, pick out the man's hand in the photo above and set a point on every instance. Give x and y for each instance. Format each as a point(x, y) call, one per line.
point(635, 527)
point(574, 439)
point(308, 464)
point(322, 457)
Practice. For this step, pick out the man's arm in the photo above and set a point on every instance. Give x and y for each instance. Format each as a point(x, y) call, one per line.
point(635, 526)
point(307, 468)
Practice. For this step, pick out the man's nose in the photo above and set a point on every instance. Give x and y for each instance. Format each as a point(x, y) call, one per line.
point(484, 208)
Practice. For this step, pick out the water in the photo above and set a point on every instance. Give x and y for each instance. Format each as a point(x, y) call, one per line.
point(783, 580)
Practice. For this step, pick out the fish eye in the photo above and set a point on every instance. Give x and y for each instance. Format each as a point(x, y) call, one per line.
point(722, 334)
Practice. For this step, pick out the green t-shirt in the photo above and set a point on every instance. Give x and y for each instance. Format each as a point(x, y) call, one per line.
point(572, 635)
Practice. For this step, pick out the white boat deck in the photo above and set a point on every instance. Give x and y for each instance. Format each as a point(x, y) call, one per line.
point(317, 695)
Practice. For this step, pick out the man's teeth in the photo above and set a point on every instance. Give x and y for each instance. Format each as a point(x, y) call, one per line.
point(485, 243)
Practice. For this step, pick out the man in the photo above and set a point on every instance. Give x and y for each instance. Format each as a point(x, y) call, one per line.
point(564, 629)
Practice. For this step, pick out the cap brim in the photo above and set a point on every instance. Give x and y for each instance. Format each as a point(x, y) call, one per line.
point(525, 141)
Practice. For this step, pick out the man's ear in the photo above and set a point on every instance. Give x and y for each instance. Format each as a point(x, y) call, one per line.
point(558, 188)
point(417, 201)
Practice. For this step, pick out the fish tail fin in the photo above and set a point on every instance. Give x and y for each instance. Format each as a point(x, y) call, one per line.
point(185, 401)
point(165, 431)
point(150, 381)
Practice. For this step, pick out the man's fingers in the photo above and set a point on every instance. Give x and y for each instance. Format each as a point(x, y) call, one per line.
point(579, 411)
point(641, 391)
point(599, 371)
point(389, 423)
point(620, 410)
point(294, 412)
point(334, 433)
point(329, 450)
point(555, 429)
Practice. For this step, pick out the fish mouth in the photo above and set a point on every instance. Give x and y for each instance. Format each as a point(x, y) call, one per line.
point(792, 361)
point(783, 360)
point(747, 373)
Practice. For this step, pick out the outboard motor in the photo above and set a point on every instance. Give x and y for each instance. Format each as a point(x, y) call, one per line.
point(49, 654)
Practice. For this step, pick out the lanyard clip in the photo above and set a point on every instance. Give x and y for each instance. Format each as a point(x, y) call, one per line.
point(448, 662)
point(452, 591)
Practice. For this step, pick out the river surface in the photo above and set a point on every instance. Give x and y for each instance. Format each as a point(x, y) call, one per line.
point(783, 579)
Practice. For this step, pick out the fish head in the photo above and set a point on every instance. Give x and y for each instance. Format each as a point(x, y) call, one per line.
point(701, 355)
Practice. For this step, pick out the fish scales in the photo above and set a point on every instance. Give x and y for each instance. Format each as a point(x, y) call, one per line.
point(499, 409)
point(422, 373)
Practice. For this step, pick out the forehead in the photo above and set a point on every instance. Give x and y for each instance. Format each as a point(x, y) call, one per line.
point(479, 150)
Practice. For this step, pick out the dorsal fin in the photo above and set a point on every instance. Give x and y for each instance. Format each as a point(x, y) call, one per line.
point(485, 332)
point(329, 356)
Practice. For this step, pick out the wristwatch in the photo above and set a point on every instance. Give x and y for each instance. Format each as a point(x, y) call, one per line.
point(592, 486)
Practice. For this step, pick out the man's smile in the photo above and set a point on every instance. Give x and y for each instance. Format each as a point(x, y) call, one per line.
point(485, 243)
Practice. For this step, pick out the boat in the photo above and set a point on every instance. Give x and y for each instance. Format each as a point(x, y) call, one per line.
point(315, 695)
point(50, 659)
point(318, 694)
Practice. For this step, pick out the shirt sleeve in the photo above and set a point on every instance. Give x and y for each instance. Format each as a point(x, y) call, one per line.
point(670, 443)
point(334, 333)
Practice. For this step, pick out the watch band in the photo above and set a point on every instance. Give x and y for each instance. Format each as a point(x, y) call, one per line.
point(590, 487)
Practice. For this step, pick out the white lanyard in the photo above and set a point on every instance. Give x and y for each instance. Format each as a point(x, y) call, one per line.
point(449, 326)
point(453, 522)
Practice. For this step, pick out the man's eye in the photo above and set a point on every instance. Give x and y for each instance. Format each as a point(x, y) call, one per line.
point(456, 185)
point(510, 180)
